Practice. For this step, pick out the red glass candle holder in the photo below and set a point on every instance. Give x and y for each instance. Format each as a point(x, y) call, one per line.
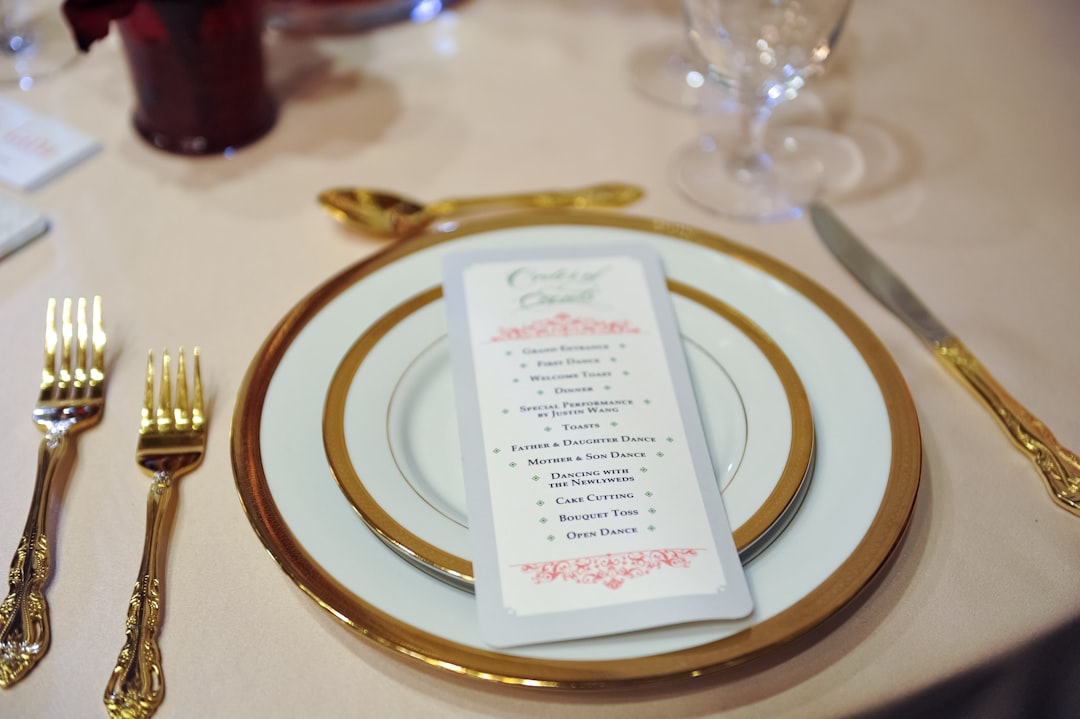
point(198, 73)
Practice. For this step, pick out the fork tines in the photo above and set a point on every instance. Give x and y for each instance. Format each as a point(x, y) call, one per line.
point(169, 416)
point(70, 376)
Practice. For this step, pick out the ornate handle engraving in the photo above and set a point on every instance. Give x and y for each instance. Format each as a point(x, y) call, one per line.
point(1060, 467)
point(24, 614)
point(137, 683)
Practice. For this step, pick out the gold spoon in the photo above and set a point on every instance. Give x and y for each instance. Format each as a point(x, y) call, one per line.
point(388, 215)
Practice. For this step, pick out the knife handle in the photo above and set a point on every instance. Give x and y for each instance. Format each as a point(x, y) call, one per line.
point(1060, 467)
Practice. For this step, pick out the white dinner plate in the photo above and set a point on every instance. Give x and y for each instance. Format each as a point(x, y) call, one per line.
point(867, 463)
point(391, 434)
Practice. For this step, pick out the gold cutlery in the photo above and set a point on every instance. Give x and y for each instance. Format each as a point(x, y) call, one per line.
point(386, 214)
point(172, 441)
point(1060, 468)
point(71, 398)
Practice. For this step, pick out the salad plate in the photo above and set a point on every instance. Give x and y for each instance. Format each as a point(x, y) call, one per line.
point(391, 406)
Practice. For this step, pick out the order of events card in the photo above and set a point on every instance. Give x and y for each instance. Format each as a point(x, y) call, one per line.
point(593, 507)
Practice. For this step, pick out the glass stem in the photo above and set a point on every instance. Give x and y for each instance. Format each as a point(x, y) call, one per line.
point(750, 161)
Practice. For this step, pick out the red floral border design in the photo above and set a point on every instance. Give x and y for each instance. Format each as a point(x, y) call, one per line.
point(611, 570)
point(565, 325)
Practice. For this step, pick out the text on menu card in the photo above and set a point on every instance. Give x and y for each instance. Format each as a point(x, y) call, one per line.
point(593, 508)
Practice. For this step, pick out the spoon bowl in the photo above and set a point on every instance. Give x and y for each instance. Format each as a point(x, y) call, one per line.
point(373, 211)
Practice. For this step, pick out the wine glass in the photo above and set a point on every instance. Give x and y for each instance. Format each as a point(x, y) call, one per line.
point(766, 50)
point(34, 41)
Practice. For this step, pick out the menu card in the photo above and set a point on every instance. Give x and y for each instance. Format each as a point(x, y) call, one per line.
point(35, 148)
point(593, 507)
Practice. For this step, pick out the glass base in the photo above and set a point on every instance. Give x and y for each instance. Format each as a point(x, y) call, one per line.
point(211, 142)
point(41, 48)
point(801, 164)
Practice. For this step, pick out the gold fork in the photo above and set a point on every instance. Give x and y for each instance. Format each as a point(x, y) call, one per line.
point(71, 398)
point(172, 442)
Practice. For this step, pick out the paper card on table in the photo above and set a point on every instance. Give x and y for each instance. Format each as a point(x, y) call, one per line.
point(593, 507)
point(19, 225)
point(35, 148)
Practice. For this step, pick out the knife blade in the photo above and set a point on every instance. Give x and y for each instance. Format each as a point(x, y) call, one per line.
point(1059, 467)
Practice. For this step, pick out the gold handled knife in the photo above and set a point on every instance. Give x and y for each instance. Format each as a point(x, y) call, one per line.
point(1060, 468)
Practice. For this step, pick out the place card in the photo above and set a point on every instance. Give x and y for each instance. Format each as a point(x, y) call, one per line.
point(593, 507)
point(35, 148)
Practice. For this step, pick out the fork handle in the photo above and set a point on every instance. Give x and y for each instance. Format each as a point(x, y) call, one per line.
point(137, 683)
point(24, 614)
point(1059, 467)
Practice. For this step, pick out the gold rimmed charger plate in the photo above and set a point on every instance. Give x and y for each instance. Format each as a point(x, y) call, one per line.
point(866, 475)
point(416, 501)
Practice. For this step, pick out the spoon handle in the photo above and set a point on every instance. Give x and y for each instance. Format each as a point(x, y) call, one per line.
point(609, 194)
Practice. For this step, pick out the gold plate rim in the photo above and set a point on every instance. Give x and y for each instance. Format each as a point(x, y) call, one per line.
point(458, 570)
point(836, 591)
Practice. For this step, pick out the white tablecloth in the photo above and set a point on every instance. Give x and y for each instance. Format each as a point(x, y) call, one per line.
point(967, 115)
